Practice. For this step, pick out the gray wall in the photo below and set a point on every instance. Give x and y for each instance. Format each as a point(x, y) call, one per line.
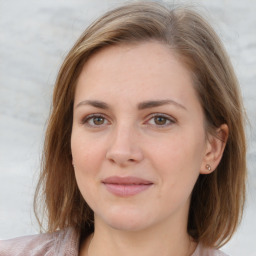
point(34, 38)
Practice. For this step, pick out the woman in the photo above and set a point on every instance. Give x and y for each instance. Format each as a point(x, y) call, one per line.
point(145, 148)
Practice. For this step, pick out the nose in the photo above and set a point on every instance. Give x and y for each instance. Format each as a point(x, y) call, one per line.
point(124, 148)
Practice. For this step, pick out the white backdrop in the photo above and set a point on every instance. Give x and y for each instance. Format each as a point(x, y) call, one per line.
point(34, 38)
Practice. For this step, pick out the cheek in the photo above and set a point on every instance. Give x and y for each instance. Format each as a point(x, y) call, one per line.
point(86, 166)
point(87, 152)
point(177, 152)
point(87, 158)
point(178, 162)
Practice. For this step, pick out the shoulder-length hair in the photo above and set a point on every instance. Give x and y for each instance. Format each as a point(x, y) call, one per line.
point(218, 198)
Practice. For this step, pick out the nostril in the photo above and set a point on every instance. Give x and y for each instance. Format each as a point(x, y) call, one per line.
point(112, 160)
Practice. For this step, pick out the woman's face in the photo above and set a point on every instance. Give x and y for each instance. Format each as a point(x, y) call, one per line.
point(138, 140)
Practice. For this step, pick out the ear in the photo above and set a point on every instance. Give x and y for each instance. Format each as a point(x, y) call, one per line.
point(215, 146)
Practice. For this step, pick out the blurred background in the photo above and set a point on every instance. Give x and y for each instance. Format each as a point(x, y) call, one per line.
point(35, 36)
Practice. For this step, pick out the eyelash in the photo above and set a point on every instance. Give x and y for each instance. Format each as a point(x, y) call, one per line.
point(88, 118)
point(167, 118)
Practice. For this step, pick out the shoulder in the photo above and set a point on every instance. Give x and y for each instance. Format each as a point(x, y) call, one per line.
point(63, 242)
point(206, 251)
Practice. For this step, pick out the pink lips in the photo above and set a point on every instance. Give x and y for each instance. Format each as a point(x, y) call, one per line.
point(126, 186)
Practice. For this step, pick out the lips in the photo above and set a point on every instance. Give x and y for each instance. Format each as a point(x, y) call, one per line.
point(126, 186)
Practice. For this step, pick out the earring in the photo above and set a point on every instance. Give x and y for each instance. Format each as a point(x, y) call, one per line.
point(208, 167)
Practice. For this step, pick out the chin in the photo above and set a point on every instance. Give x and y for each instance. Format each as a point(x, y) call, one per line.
point(127, 225)
point(126, 220)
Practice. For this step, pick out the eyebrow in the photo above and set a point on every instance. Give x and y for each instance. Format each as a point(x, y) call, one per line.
point(141, 106)
point(158, 103)
point(94, 103)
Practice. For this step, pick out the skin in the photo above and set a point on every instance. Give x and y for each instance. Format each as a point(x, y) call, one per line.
point(164, 144)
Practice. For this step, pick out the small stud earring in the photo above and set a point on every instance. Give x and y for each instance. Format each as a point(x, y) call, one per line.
point(208, 167)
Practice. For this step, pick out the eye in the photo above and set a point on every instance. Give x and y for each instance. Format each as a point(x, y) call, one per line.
point(95, 120)
point(160, 120)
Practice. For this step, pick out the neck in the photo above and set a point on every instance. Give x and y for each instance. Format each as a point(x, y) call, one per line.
point(164, 240)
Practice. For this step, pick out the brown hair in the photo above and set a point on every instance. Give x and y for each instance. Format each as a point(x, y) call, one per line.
point(218, 198)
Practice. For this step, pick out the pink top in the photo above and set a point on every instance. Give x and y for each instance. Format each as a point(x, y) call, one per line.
point(63, 243)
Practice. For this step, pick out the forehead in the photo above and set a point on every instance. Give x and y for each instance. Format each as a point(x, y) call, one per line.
point(148, 68)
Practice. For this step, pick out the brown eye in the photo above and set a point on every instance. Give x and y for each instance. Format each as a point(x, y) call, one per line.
point(98, 120)
point(160, 120)
point(95, 121)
